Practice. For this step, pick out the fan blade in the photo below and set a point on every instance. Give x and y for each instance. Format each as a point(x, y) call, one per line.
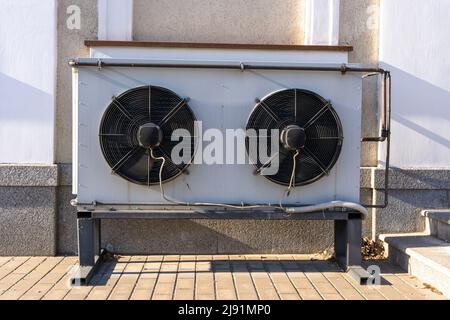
point(317, 116)
point(296, 111)
point(172, 112)
point(326, 138)
point(150, 103)
point(121, 108)
point(119, 138)
point(125, 158)
point(316, 160)
point(269, 111)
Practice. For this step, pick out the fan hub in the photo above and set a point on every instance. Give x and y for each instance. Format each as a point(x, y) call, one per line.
point(293, 137)
point(149, 135)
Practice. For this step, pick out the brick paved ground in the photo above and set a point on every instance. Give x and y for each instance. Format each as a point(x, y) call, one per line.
point(202, 277)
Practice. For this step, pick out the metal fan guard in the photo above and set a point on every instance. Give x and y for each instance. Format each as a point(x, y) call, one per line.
point(286, 122)
point(188, 118)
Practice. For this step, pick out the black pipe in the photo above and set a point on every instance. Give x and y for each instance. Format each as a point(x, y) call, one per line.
point(241, 66)
point(386, 136)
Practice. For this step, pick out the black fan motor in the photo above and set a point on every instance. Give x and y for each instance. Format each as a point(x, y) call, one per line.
point(307, 124)
point(138, 121)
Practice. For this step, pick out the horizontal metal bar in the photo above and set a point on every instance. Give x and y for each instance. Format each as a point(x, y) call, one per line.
point(198, 208)
point(220, 215)
point(100, 63)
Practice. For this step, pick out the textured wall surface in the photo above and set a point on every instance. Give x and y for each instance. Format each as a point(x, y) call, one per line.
point(410, 192)
point(70, 45)
point(236, 21)
point(28, 221)
point(359, 27)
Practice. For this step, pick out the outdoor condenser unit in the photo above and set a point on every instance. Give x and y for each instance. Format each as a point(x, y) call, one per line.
point(126, 110)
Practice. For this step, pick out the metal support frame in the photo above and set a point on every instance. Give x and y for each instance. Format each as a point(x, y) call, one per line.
point(347, 247)
point(89, 248)
point(347, 229)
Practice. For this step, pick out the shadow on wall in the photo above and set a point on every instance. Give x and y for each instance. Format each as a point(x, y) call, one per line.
point(420, 122)
point(26, 120)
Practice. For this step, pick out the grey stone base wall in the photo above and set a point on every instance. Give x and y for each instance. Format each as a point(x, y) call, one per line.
point(27, 210)
point(36, 218)
point(410, 192)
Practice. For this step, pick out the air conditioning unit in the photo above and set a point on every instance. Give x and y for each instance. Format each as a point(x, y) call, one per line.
point(161, 133)
point(121, 113)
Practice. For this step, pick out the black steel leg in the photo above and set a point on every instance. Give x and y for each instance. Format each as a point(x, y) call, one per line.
point(88, 241)
point(89, 250)
point(347, 246)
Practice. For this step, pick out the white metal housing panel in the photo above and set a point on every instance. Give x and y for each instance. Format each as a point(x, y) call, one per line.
point(221, 99)
point(75, 123)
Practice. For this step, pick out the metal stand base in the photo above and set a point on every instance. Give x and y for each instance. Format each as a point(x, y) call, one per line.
point(359, 274)
point(347, 234)
point(347, 247)
point(82, 276)
point(89, 251)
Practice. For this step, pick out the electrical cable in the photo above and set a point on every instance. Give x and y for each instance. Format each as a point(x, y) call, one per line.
point(203, 204)
point(291, 181)
point(291, 210)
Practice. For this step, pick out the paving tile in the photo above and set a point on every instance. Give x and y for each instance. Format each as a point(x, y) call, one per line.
point(310, 294)
point(164, 283)
point(332, 296)
point(24, 270)
point(57, 294)
point(244, 286)
point(126, 283)
point(203, 277)
point(32, 284)
point(141, 294)
point(109, 278)
point(11, 265)
point(345, 289)
point(184, 294)
point(78, 293)
point(4, 260)
point(368, 292)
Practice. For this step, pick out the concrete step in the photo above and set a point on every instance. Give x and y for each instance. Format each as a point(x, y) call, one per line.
point(423, 256)
point(438, 223)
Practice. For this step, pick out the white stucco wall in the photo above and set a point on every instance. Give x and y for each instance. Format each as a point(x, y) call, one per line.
point(415, 45)
point(322, 22)
point(27, 80)
point(115, 19)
